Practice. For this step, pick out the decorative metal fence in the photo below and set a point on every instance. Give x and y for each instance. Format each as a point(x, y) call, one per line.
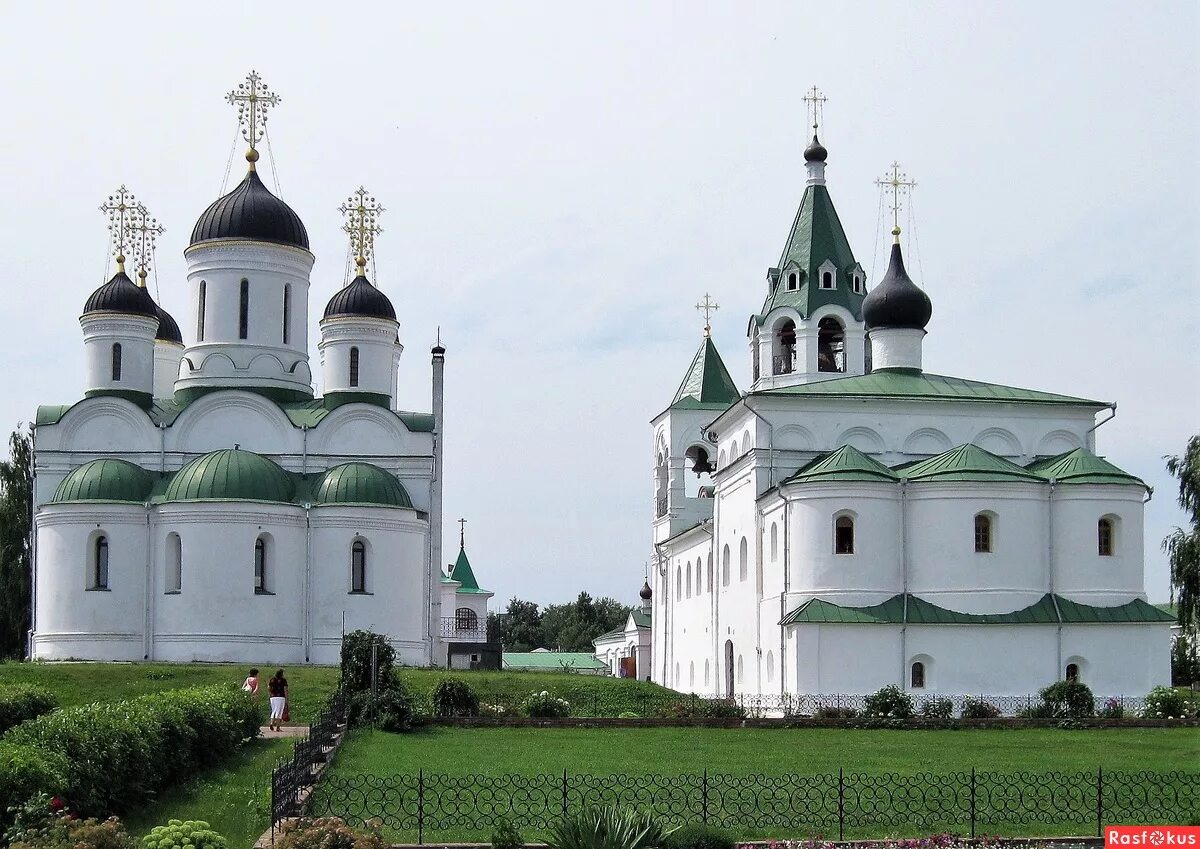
point(291, 779)
point(445, 807)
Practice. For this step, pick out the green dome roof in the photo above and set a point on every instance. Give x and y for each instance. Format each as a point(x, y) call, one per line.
point(231, 475)
point(360, 483)
point(105, 480)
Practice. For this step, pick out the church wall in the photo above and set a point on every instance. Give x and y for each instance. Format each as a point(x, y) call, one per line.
point(135, 335)
point(224, 419)
point(1080, 572)
point(982, 659)
point(1117, 660)
point(687, 608)
point(844, 658)
point(738, 531)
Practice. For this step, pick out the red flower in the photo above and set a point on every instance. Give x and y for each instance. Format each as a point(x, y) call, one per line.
point(57, 804)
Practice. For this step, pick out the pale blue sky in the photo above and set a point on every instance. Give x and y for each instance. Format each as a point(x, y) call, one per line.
point(563, 182)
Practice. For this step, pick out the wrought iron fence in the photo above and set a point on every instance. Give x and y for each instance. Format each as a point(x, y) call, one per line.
point(445, 807)
point(291, 779)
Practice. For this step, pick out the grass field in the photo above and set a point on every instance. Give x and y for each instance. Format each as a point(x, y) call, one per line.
point(589, 694)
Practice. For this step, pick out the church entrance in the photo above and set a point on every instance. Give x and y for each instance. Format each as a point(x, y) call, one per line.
point(729, 669)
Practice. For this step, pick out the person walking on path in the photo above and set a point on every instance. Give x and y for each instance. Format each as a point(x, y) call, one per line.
point(250, 685)
point(277, 688)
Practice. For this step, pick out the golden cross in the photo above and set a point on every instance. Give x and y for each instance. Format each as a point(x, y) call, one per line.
point(121, 210)
point(708, 306)
point(253, 99)
point(362, 213)
point(898, 183)
point(145, 230)
point(816, 106)
point(462, 533)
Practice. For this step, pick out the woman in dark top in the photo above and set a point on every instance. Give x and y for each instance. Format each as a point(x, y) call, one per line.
point(277, 688)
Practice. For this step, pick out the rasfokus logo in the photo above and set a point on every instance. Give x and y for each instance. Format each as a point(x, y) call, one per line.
point(1152, 836)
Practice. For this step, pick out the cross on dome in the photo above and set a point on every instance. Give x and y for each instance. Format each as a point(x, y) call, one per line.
point(898, 184)
point(253, 100)
point(362, 213)
point(708, 306)
point(815, 101)
point(145, 229)
point(462, 533)
point(121, 210)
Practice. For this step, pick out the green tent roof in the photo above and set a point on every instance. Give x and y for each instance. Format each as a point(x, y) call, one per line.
point(967, 463)
point(105, 479)
point(231, 475)
point(707, 380)
point(550, 660)
point(910, 384)
point(845, 464)
point(641, 618)
point(922, 612)
point(463, 573)
point(1081, 466)
point(360, 483)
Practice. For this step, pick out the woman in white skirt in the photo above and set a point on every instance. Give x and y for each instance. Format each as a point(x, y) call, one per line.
point(277, 688)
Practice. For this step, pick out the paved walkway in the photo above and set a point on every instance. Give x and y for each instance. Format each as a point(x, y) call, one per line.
point(287, 731)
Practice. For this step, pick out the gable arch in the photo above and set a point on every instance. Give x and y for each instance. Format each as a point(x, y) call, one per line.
point(106, 423)
point(842, 314)
point(1000, 441)
point(864, 439)
point(227, 417)
point(1058, 442)
point(794, 437)
point(362, 429)
point(926, 440)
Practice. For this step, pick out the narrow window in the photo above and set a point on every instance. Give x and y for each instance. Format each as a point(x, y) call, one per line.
point(1104, 535)
point(792, 281)
point(689, 579)
point(174, 582)
point(354, 366)
point(725, 567)
point(743, 560)
point(465, 620)
point(358, 567)
point(783, 358)
point(708, 576)
point(287, 312)
point(100, 575)
point(918, 675)
point(983, 533)
point(679, 583)
point(260, 566)
point(831, 345)
point(116, 361)
point(843, 535)
point(774, 542)
point(1072, 671)
point(200, 312)
point(857, 285)
point(827, 280)
point(244, 311)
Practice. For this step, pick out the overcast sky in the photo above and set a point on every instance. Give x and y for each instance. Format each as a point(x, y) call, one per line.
point(563, 181)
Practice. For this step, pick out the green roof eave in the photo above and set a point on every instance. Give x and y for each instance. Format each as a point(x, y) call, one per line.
point(847, 463)
point(611, 635)
point(1048, 610)
point(1081, 466)
point(968, 462)
point(907, 384)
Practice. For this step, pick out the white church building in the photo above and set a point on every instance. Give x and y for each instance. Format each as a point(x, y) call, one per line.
point(201, 502)
point(854, 521)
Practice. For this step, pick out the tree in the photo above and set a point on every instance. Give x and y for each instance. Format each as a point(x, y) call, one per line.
point(1183, 546)
point(573, 626)
point(16, 506)
point(521, 629)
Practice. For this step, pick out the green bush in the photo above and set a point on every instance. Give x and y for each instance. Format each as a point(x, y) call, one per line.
point(453, 697)
point(183, 834)
point(506, 836)
point(545, 706)
point(698, 836)
point(19, 702)
point(326, 833)
point(44, 823)
point(391, 709)
point(607, 828)
point(937, 708)
point(26, 770)
point(1069, 700)
point(356, 660)
point(979, 709)
point(835, 712)
point(1166, 703)
point(1111, 709)
point(888, 703)
point(1038, 710)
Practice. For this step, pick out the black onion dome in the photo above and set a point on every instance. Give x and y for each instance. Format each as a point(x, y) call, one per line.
point(251, 212)
point(168, 328)
point(360, 298)
point(896, 301)
point(645, 592)
point(815, 152)
point(120, 294)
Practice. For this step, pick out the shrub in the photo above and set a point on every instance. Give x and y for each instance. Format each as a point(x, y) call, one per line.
point(356, 660)
point(607, 828)
point(702, 708)
point(937, 708)
point(388, 710)
point(1112, 709)
point(44, 823)
point(327, 833)
point(888, 703)
point(1069, 700)
point(453, 697)
point(19, 702)
point(1165, 703)
point(835, 712)
point(979, 709)
point(178, 834)
point(506, 836)
point(545, 706)
point(698, 836)
point(24, 771)
point(1038, 710)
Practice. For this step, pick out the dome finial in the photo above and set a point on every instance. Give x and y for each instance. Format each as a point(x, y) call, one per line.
point(253, 100)
point(816, 107)
point(898, 184)
point(708, 306)
point(121, 211)
point(145, 230)
point(362, 212)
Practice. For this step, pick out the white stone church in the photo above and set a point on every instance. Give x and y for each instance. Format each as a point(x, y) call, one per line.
point(200, 502)
point(854, 521)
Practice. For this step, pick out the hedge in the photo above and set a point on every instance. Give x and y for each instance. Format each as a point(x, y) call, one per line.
point(104, 758)
point(19, 702)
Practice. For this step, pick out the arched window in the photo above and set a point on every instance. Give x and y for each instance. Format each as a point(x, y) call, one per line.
point(774, 542)
point(100, 563)
point(770, 667)
point(1105, 537)
point(661, 483)
point(725, 566)
point(743, 560)
point(793, 281)
point(260, 566)
point(1072, 672)
point(827, 280)
point(691, 673)
point(783, 360)
point(708, 576)
point(465, 619)
point(689, 579)
point(174, 577)
point(678, 583)
point(843, 535)
point(354, 366)
point(831, 345)
point(200, 313)
point(983, 533)
point(244, 311)
point(287, 312)
point(740, 670)
point(358, 567)
point(116, 361)
point(858, 287)
point(917, 679)
point(707, 672)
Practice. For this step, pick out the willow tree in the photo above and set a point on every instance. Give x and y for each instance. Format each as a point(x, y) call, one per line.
point(1183, 545)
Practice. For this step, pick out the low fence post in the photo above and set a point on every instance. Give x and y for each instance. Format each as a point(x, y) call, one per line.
point(841, 803)
point(704, 798)
point(420, 806)
point(972, 803)
point(564, 794)
point(1099, 801)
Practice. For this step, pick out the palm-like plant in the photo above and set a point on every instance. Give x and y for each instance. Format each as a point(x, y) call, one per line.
point(607, 828)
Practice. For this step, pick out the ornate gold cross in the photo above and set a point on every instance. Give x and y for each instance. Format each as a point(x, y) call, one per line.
point(253, 100)
point(145, 230)
point(362, 213)
point(816, 106)
point(708, 306)
point(121, 210)
point(897, 183)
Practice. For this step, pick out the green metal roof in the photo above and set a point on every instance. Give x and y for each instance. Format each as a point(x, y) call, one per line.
point(231, 475)
point(641, 618)
point(911, 384)
point(1081, 466)
point(105, 479)
point(816, 236)
point(845, 464)
point(922, 612)
point(547, 660)
point(967, 463)
point(613, 634)
point(707, 380)
point(463, 573)
point(360, 483)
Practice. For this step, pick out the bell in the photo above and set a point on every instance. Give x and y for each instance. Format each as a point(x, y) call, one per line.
point(701, 464)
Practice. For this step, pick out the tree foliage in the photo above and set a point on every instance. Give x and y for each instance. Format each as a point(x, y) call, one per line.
point(16, 504)
point(1183, 545)
point(562, 627)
